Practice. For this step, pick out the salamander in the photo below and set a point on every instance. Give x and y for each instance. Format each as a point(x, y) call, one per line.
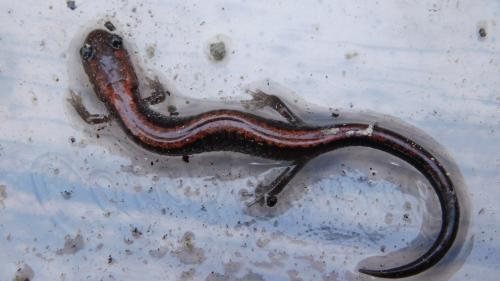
point(111, 73)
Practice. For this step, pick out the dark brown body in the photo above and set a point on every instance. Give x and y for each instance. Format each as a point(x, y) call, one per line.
point(112, 74)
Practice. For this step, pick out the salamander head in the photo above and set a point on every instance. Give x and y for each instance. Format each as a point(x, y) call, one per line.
point(107, 63)
point(100, 42)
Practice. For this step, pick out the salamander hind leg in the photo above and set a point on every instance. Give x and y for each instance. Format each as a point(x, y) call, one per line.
point(260, 100)
point(268, 194)
point(76, 102)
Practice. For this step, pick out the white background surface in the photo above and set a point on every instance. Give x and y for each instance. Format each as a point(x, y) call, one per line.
point(421, 61)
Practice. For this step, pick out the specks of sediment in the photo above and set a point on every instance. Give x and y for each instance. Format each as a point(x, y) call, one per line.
point(187, 252)
point(24, 273)
point(71, 245)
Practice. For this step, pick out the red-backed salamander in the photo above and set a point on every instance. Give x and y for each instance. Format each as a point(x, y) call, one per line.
point(111, 72)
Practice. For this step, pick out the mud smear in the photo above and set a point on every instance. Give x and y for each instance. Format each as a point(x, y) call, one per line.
point(188, 275)
point(187, 252)
point(71, 245)
point(315, 264)
point(158, 252)
point(277, 260)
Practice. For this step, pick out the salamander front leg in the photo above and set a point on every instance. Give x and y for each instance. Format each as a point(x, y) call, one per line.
point(268, 194)
point(159, 93)
point(261, 100)
point(76, 102)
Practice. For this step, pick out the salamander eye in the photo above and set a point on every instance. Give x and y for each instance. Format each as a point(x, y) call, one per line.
point(116, 42)
point(87, 52)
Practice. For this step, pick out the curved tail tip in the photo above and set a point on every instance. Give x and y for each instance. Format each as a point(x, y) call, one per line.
point(376, 273)
point(388, 273)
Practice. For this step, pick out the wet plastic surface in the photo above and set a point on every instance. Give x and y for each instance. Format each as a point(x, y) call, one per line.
point(78, 203)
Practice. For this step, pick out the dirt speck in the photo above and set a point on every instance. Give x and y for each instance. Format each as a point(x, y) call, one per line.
point(136, 233)
point(24, 273)
point(172, 110)
point(151, 50)
point(406, 218)
point(110, 26)
point(71, 245)
point(351, 55)
point(187, 252)
point(217, 50)
point(66, 194)
point(71, 4)
point(482, 33)
point(3, 194)
point(407, 206)
point(382, 248)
